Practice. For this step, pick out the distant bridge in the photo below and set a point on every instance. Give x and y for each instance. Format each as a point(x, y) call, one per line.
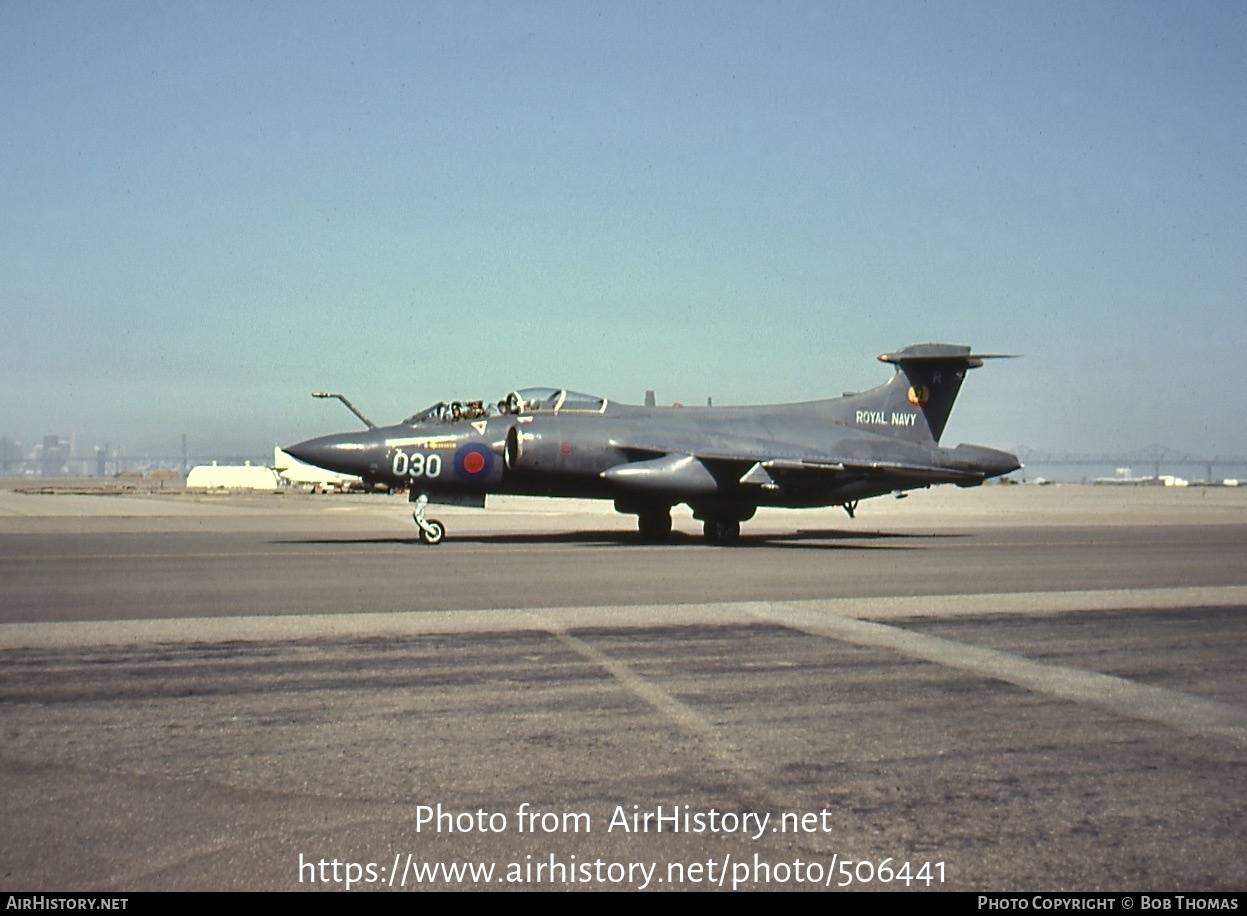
point(1156, 457)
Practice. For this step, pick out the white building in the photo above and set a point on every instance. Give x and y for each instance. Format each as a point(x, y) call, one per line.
point(232, 477)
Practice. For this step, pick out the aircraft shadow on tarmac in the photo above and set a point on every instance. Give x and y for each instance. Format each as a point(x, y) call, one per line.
point(809, 538)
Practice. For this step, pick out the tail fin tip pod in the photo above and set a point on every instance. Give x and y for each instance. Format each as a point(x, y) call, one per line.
point(941, 352)
point(928, 377)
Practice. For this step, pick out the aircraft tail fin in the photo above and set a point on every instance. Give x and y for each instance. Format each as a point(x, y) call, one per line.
point(915, 403)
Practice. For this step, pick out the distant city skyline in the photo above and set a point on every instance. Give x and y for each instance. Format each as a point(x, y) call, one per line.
point(210, 209)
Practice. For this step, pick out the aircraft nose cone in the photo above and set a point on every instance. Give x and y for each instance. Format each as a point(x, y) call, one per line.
point(343, 453)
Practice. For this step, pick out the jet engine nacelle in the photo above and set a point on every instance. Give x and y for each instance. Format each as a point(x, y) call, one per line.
point(552, 445)
point(533, 447)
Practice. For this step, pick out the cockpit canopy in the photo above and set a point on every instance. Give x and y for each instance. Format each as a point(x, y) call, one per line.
point(431, 414)
point(522, 401)
point(558, 400)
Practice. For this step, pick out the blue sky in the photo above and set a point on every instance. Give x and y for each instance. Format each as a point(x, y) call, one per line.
point(209, 210)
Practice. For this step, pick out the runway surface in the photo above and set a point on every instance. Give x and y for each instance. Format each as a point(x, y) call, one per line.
point(1013, 688)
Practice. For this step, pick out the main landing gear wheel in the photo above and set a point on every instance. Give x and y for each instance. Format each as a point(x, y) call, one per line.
point(654, 526)
point(431, 530)
point(721, 531)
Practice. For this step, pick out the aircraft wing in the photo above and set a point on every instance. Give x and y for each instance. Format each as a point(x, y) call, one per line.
point(767, 463)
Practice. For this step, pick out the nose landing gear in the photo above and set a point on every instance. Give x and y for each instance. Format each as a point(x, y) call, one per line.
point(431, 530)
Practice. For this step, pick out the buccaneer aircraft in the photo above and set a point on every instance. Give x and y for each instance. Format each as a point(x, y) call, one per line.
point(723, 462)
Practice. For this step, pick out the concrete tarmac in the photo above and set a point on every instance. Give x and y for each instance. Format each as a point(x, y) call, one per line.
point(1011, 688)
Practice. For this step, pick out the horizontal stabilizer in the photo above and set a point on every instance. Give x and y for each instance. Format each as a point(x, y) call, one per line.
point(941, 353)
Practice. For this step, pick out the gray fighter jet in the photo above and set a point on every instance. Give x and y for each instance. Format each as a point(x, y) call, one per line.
point(724, 462)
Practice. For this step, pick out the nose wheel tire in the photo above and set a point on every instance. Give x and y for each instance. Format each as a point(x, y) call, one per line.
point(432, 531)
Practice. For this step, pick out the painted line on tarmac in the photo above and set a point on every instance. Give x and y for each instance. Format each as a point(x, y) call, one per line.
point(723, 752)
point(415, 623)
point(853, 620)
point(845, 620)
point(1180, 711)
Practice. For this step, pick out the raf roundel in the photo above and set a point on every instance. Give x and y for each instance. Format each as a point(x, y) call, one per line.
point(473, 461)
